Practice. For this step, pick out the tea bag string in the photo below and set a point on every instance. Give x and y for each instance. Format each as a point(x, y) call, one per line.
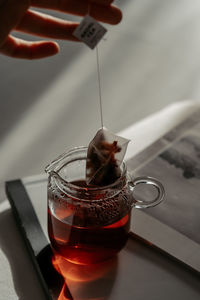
point(98, 75)
point(99, 84)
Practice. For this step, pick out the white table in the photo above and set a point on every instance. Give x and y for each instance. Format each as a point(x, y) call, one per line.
point(140, 272)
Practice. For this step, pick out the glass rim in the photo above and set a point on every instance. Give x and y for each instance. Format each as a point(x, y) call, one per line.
point(88, 189)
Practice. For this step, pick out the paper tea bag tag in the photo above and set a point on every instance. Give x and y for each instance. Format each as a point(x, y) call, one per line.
point(105, 154)
point(90, 31)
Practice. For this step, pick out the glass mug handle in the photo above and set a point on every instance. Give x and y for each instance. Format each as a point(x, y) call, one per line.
point(152, 181)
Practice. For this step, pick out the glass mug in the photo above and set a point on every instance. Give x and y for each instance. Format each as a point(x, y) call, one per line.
point(90, 224)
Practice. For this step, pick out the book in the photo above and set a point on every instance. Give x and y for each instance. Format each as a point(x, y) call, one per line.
point(174, 159)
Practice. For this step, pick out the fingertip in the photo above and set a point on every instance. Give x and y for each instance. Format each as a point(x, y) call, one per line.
point(44, 49)
point(117, 15)
point(120, 16)
point(52, 47)
point(106, 13)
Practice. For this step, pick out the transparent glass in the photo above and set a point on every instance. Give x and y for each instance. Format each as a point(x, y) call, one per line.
point(90, 224)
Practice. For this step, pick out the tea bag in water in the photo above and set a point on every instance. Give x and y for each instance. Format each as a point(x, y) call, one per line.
point(105, 155)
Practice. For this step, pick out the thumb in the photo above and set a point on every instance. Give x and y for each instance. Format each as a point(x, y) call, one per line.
point(11, 12)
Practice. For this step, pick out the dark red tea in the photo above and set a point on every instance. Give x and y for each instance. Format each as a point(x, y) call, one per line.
point(86, 244)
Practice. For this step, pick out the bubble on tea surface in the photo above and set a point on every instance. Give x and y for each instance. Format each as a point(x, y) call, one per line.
point(104, 157)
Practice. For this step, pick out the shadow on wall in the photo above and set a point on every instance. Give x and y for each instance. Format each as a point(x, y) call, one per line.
point(23, 81)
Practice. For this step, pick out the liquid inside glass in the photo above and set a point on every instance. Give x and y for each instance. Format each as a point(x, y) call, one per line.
point(89, 243)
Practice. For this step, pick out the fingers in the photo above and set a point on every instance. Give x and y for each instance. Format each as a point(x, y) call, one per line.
point(99, 9)
point(15, 14)
point(47, 26)
point(11, 11)
point(18, 48)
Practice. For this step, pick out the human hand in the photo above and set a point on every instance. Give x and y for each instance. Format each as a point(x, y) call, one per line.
point(16, 15)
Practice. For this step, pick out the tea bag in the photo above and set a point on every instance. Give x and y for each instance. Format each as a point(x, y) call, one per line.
point(104, 157)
